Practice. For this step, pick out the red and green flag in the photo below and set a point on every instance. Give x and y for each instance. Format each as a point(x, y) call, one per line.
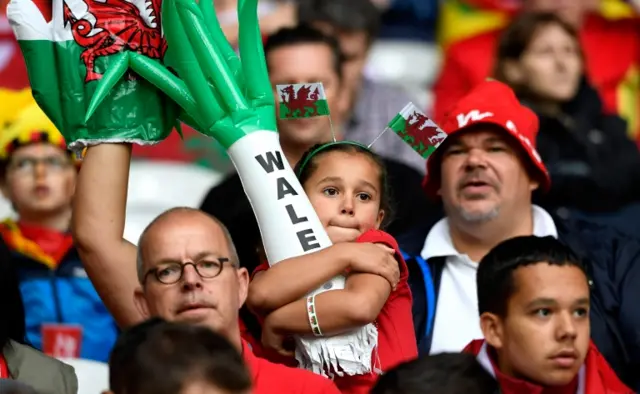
point(417, 130)
point(69, 44)
point(303, 100)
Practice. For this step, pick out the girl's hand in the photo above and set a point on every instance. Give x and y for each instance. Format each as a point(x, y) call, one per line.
point(277, 343)
point(374, 259)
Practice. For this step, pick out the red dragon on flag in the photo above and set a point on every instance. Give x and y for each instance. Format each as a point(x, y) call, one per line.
point(119, 25)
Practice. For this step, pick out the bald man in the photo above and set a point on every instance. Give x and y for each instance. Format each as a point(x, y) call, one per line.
point(187, 267)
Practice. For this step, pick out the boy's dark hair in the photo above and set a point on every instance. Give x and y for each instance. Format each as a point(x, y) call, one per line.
point(495, 271)
point(517, 37)
point(444, 373)
point(304, 34)
point(307, 165)
point(160, 357)
point(348, 16)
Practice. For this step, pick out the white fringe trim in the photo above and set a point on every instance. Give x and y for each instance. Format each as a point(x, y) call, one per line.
point(349, 354)
point(78, 145)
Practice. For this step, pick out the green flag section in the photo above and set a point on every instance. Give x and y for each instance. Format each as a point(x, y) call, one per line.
point(304, 100)
point(69, 44)
point(417, 130)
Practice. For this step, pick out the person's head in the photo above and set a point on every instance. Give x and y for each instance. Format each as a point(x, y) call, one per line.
point(444, 373)
point(355, 23)
point(37, 173)
point(12, 325)
point(488, 166)
point(303, 54)
point(539, 56)
point(571, 11)
point(347, 186)
point(188, 271)
point(533, 299)
point(159, 357)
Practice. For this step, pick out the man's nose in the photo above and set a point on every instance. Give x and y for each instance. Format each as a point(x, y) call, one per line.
point(475, 158)
point(190, 277)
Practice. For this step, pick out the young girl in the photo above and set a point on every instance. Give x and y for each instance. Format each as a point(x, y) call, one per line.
point(346, 184)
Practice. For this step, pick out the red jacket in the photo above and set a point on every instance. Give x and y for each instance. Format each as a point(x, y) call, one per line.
point(470, 61)
point(599, 378)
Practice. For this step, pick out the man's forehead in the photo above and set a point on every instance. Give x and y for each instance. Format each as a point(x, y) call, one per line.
point(478, 134)
point(185, 234)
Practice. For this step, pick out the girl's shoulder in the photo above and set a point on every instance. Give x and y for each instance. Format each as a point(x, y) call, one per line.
point(378, 236)
point(381, 237)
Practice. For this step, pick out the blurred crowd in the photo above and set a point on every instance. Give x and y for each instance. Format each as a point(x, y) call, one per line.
point(515, 249)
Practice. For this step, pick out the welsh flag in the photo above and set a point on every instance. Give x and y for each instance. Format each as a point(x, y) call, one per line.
point(68, 45)
point(417, 130)
point(304, 100)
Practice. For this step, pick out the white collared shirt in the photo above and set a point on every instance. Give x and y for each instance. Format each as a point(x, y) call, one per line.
point(457, 318)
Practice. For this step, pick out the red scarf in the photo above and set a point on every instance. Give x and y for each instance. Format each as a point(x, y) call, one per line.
point(4, 370)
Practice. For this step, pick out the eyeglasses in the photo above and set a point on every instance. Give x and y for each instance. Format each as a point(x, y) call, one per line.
point(27, 165)
point(171, 273)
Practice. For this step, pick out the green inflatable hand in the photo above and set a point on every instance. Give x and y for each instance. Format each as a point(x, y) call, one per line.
point(66, 53)
point(220, 96)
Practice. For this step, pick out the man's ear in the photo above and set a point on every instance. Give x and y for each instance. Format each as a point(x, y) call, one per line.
point(243, 285)
point(141, 302)
point(533, 185)
point(491, 326)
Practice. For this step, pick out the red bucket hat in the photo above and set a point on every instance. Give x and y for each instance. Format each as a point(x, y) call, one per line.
point(491, 102)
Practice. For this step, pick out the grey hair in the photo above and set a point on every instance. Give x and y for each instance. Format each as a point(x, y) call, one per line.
point(139, 259)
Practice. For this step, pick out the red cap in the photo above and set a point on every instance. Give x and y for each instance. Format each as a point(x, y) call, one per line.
point(492, 102)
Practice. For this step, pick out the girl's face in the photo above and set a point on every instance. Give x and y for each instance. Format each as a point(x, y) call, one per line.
point(345, 192)
point(551, 67)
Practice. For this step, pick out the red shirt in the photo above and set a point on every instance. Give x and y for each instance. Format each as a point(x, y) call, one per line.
point(396, 336)
point(270, 378)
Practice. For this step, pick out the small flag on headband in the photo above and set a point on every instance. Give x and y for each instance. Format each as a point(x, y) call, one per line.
point(304, 100)
point(417, 130)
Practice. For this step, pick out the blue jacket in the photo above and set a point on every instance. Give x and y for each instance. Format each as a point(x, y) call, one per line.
point(613, 263)
point(63, 294)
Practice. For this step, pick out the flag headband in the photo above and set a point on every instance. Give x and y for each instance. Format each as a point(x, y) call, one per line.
point(327, 145)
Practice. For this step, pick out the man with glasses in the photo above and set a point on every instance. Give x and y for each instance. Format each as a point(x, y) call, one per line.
point(64, 314)
point(187, 267)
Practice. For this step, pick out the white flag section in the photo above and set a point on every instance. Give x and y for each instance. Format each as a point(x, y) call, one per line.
point(290, 227)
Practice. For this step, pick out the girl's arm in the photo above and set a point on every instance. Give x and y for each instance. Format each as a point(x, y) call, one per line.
point(338, 310)
point(293, 278)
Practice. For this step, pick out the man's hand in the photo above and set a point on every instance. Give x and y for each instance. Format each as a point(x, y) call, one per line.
point(374, 259)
